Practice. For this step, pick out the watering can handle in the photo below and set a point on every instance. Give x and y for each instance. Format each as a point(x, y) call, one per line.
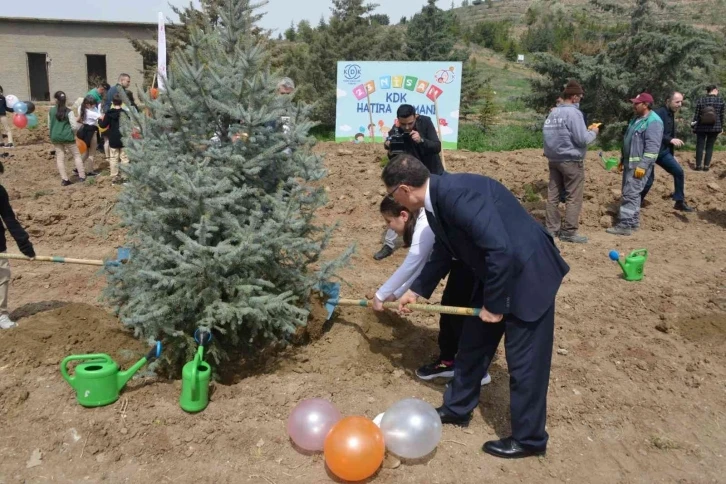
point(195, 370)
point(96, 356)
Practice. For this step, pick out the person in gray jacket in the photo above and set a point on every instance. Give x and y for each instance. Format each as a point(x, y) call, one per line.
point(565, 143)
point(640, 150)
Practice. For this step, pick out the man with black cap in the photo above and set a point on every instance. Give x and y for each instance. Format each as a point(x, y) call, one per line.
point(640, 150)
point(565, 145)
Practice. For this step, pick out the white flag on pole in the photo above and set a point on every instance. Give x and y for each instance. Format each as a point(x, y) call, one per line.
point(161, 55)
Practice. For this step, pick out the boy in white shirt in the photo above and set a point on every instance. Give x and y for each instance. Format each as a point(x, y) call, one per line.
point(418, 236)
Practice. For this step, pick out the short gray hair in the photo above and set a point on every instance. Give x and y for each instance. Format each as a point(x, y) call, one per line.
point(287, 83)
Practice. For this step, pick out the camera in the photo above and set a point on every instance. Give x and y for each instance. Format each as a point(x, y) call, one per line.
point(397, 141)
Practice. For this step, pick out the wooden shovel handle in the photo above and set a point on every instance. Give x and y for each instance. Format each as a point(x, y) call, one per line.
point(431, 308)
point(55, 258)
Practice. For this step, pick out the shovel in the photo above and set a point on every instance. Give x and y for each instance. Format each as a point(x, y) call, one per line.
point(332, 291)
point(122, 257)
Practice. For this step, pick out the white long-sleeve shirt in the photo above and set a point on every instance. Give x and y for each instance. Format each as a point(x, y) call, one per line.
point(422, 244)
point(92, 115)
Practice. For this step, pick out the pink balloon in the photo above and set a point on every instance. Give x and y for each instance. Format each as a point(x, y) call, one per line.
point(310, 421)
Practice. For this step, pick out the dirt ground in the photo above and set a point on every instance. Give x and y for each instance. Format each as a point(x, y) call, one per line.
point(638, 386)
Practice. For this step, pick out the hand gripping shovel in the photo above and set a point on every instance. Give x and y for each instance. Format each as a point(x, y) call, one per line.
point(121, 258)
point(332, 291)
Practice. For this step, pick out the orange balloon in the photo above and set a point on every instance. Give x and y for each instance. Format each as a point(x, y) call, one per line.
point(154, 93)
point(354, 448)
point(81, 145)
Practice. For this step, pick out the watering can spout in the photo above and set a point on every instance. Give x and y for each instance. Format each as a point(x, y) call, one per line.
point(615, 257)
point(123, 377)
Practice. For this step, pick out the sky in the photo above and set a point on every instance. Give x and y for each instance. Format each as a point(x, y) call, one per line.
point(148, 10)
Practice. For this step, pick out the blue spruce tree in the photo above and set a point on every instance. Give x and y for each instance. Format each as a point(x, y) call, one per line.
point(220, 201)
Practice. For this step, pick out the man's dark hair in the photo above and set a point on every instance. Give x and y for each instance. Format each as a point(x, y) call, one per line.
point(405, 110)
point(405, 170)
point(711, 87)
point(105, 85)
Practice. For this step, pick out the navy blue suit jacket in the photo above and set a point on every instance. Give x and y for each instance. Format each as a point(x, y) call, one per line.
point(478, 221)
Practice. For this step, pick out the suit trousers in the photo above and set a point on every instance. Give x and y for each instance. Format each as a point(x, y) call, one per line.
point(528, 348)
point(458, 291)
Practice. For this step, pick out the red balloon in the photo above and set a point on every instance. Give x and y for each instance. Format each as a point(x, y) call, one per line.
point(20, 120)
point(354, 448)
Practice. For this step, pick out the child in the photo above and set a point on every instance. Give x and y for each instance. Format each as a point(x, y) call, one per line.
point(62, 124)
point(23, 241)
point(419, 237)
point(5, 121)
point(112, 120)
point(88, 116)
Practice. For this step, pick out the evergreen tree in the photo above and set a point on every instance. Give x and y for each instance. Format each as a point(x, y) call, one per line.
point(488, 108)
point(429, 35)
point(220, 205)
point(305, 31)
point(290, 33)
point(511, 54)
point(472, 84)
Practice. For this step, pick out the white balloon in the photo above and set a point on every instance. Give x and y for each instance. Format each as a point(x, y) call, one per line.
point(378, 419)
point(411, 428)
point(10, 101)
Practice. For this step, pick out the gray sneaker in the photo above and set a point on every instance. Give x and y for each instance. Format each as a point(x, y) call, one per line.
point(620, 230)
point(573, 238)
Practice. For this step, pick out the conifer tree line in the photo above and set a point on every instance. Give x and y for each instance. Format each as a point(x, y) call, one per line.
point(614, 49)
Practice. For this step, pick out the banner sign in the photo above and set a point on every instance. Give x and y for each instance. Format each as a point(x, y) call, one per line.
point(161, 52)
point(369, 93)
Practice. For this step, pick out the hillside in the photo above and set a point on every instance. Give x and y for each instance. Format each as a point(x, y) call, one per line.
point(708, 14)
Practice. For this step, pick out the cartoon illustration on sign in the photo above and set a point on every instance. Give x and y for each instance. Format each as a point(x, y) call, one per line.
point(445, 76)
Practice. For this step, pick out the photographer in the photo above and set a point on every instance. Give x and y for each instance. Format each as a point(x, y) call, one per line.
point(414, 135)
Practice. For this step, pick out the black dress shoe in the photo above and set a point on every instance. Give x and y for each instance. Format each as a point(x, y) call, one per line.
point(683, 206)
point(449, 418)
point(509, 449)
point(383, 253)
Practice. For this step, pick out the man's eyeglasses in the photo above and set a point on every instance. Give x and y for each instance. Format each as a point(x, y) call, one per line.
point(390, 195)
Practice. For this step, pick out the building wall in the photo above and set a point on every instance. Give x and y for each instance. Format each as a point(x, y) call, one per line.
point(67, 45)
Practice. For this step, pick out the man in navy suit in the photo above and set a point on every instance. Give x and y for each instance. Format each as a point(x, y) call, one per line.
point(519, 270)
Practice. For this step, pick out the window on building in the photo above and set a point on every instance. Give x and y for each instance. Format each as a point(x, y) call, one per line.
point(38, 76)
point(95, 70)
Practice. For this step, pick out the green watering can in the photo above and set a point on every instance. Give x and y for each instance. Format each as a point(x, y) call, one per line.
point(195, 378)
point(633, 265)
point(98, 380)
point(608, 163)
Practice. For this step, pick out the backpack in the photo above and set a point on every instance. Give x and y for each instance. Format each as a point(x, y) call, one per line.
point(708, 116)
